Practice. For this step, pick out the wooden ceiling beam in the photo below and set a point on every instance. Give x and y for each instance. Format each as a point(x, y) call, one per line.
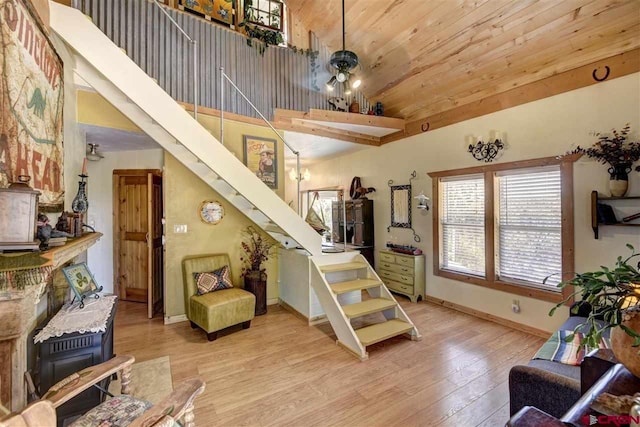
point(310, 125)
point(618, 65)
point(321, 131)
point(355, 119)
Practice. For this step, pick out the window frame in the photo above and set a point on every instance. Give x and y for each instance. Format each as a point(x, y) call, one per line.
point(491, 194)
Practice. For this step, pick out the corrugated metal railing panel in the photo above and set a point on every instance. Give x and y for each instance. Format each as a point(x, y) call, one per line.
point(281, 78)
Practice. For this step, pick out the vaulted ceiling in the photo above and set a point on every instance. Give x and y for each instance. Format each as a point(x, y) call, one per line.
point(423, 57)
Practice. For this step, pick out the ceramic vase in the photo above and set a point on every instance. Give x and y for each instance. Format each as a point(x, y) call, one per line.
point(621, 342)
point(619, 179)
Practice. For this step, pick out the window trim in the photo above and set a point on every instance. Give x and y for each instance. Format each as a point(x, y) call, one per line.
point(490, 193)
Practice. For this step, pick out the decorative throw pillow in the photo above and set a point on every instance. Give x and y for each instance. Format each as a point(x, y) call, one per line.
point(213, 280)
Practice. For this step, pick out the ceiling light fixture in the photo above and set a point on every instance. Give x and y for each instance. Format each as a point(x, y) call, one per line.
point(92, 152)
point(344, 61)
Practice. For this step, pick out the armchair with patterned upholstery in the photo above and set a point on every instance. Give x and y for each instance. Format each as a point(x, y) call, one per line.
point(216, 310)
point(121, 410)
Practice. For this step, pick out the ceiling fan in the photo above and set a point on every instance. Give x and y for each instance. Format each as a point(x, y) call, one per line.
point(344, 61)
point(92, 152)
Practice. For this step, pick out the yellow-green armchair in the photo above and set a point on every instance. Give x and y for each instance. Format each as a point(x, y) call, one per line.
point(216, 310)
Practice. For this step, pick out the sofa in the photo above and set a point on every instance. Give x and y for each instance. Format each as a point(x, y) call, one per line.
point(551, 386)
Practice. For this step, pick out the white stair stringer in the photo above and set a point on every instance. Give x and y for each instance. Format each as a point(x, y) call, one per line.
point(333, 275)
point(129, 89)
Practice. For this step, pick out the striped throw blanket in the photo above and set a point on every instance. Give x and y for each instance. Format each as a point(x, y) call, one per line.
point(556, 349)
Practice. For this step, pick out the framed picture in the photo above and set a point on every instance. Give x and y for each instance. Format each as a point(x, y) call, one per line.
point(218, 10)
point(81, 282)
point(261, 157)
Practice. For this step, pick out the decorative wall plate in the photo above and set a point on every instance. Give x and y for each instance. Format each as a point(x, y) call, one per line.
point(211, 212)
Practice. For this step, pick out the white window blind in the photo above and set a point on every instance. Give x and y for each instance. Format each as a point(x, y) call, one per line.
point(530, 227)
point(462, 224)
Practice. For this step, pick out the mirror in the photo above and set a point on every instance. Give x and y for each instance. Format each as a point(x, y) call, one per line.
point(401, 206)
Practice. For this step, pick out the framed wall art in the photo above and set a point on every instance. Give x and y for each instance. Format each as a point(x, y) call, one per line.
point(219, 10)
point(31, 93)
point(261, 157)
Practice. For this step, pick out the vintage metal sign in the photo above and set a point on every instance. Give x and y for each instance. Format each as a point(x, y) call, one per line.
point(31, 101)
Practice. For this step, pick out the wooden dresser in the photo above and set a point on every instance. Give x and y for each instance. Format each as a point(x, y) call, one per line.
point(403, 274)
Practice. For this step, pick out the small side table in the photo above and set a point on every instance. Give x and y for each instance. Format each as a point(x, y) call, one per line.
point(256, 283)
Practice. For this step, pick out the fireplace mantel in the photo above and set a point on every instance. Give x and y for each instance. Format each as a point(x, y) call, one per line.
point(18, 312)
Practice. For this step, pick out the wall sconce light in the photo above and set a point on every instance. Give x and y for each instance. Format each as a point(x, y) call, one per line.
point(304, 175)
point(485, 151)
point(422, 201)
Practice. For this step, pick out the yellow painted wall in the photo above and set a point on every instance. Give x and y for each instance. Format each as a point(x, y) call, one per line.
point(184, 193)
point(93, 109)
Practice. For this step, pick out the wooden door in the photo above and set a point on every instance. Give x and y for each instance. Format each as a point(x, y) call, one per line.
point(155, 246)
point(138, 250)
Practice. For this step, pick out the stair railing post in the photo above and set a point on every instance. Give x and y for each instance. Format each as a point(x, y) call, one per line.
point(222, 76)
point(196, 98)
point(195, 57)
point(344, 220)
point(298, 178)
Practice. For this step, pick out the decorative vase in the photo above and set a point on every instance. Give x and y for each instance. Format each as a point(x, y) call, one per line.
point(621, 342)
point(619, 179)
point(255, 281)
point(354, 107)
point(80, 203)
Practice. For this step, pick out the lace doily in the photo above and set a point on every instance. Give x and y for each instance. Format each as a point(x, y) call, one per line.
point(92, 318)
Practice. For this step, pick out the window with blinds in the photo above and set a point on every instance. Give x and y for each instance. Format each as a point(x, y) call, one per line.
point(529, 244)
point(462, 224)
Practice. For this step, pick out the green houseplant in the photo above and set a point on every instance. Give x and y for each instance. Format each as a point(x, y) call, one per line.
point(614, 296)
point(619, 153)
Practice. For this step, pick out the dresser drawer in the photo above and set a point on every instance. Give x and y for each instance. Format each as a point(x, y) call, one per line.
point(406, 279)
point(389, 275)
point(401, 287)
point(407, 261)
point(395, 268)
point(387, 257)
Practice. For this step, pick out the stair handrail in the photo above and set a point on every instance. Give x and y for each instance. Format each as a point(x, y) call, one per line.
point(194, 43)
point(223, 77)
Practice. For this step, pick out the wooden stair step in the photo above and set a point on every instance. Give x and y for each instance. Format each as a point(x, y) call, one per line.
point(382, 331)
point(345, 266)
point(354, 285)
point(373, 305)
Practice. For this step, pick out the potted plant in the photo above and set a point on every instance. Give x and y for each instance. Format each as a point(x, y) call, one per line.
point(256, 250)
point(614, 296)
point(619, 153)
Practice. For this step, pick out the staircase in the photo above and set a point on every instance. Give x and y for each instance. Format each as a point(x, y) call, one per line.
point(98, 61)
point(335, 275)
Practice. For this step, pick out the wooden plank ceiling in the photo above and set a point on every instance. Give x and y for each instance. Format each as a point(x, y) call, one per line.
point(424, 57)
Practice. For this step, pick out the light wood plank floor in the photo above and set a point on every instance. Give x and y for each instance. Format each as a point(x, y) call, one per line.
point(281, 372)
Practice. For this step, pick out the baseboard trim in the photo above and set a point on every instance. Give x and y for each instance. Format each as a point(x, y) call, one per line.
point(490, 317)
point(273, 301)
point(168, 320)
point(311, 322)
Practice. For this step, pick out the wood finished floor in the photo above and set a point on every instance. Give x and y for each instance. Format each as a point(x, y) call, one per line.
point(281, 372)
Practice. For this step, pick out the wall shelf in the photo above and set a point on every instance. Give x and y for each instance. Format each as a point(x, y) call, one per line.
point(595, 224)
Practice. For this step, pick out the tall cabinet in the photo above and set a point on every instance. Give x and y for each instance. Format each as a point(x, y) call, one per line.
point(357, 220)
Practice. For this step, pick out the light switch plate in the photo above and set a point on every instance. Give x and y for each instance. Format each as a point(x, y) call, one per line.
point(179, 228)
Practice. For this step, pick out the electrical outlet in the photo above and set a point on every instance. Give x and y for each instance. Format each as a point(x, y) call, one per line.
point(179, 228)
point(515, 306)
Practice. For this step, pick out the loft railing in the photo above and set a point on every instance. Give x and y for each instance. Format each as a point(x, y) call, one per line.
point(225, 78)
point(194, 43)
